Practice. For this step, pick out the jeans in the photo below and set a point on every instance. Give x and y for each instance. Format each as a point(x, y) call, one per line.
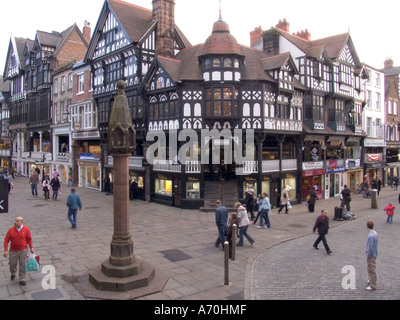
point(72, 216)
point(243, 232)
point(322, 237)
point(264, 215)
point(34, 189)
point(221, 236)
point(389, 219)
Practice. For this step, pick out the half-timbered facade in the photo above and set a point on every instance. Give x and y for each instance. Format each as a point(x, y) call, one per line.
point(124, 46)
point(29, 67)
point(331, 72)
point(242, 109)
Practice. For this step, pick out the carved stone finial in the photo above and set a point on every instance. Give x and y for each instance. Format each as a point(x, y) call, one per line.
point(121, 135)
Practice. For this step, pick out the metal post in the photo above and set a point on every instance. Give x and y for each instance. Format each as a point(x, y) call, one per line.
point(374, 199)
point(234, 239)
point(226, 263)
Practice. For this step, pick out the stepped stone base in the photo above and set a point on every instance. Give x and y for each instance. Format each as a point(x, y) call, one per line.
point(97, 285)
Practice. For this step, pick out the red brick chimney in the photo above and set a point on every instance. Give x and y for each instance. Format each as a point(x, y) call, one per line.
point(388, 63)
point(304, 35)
point(164, 13)
point(255, 35)
point(283, 25)
point(87, 31)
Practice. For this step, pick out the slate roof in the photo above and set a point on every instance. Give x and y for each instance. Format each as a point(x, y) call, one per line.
point(331, 46)
point(134, 19)
point(186, 66)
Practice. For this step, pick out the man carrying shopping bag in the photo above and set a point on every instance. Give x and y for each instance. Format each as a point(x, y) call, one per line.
point(20, 238)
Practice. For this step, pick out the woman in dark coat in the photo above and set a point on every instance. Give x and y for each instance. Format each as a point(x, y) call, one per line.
point(313, 199)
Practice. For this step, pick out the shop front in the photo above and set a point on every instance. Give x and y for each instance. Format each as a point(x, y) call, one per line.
point(313, 179)
point(354, 174)
point(163, 188)
point(90, 173)
point(192, 198)
point(136, 188)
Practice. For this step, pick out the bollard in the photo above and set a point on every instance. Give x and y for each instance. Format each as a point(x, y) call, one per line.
point(374, 199)
point(226, 263)
point(234, 239)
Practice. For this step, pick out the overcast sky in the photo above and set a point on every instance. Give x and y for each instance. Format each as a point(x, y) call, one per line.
point(374, 25)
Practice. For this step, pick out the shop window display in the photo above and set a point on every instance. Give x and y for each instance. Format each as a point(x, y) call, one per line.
point(193, 190)
point(164, 187)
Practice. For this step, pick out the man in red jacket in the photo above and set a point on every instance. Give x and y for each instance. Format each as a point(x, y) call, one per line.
point(20, 237)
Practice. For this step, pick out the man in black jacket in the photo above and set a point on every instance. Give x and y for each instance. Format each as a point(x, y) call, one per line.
point(322, 224)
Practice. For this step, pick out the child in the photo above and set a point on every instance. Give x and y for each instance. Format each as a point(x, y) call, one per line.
point(390, 212)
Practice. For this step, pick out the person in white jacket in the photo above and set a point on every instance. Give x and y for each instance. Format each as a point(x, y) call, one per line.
point(243, 224)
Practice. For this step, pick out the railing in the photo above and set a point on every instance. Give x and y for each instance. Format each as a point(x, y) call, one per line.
point(135, 162)
point(166, 165)
point(270, 166)
point(193, 167)
point(289, 165)
point(250, 167)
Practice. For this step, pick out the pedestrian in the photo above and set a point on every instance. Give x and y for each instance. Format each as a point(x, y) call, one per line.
point(284, 200)
point(19, 238)
point(379, 186)
point(259, 201)
point(46, 188)
point(395, 182)
point(312, 200)
point(249, 203)
point(73, 203)
point(265, 207)
point(107, 185)
point(233, 220)
point(345, 196)
point(322, 224)
point(243, 224)
point(55, 185)
point(34, 180)
point(70, 178)
point(133, 189)
point(372, 254)
point(390, 212)
point(221, 220)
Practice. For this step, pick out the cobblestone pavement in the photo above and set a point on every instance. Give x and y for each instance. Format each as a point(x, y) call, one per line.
point(180, 243)
point(295, 270)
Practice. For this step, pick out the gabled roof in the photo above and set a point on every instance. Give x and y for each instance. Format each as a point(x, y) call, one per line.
point(136, 21)
point(278, 62)
point(17, 45)
point(331, 47)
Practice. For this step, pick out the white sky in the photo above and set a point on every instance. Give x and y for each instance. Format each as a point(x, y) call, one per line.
point(374, 28)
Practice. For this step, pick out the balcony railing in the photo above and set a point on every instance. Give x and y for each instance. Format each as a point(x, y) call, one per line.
point(193, 167)
point(166, 165)
point(134, 162)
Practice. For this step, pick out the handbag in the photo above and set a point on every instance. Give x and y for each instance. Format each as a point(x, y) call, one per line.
point(31, 263)
point(289, 206)
point(308, 198)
